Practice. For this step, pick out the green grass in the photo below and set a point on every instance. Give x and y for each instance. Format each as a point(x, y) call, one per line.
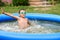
point(52, 10)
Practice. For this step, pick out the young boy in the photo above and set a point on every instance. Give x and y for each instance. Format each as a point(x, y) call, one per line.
point(22, 21)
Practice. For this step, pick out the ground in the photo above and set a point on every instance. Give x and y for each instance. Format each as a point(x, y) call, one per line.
point(51, 10)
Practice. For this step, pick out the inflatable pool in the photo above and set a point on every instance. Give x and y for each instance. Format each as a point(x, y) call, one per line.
point(30, 36)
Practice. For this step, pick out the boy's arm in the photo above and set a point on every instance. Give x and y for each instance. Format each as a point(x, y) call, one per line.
point(8, 14)
point(29, 23)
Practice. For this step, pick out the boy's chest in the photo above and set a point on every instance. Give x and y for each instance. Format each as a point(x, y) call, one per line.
point(22, 20)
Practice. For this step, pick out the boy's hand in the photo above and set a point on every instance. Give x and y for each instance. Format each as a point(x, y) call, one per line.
point(2, 10)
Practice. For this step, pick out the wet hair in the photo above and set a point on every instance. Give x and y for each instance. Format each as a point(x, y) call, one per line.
point(22, 13)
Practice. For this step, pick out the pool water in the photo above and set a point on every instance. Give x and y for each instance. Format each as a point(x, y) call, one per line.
point(36, 27)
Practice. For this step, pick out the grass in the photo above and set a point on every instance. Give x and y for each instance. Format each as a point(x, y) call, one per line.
point(51, 10)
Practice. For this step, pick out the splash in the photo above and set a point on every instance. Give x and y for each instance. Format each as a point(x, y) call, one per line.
point(36, 27)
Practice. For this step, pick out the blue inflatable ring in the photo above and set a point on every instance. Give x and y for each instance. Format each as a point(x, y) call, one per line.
point(29, 36)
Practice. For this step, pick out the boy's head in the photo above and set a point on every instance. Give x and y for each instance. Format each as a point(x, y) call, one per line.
point(22, 13)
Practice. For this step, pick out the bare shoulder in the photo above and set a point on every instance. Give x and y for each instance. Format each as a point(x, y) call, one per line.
point(26, 18)
point(19, 18)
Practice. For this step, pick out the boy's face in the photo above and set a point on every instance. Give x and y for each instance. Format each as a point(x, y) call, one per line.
point(22, 15)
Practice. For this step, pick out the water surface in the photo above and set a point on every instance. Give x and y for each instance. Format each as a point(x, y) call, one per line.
point(36, 27)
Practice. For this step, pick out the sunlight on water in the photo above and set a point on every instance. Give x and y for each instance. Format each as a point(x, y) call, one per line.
point(36, 27)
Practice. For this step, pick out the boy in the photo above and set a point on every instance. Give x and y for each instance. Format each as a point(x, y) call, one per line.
point(22, 21)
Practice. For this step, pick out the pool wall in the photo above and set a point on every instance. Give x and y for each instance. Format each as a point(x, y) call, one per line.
point(29, 36)
point(32, 16)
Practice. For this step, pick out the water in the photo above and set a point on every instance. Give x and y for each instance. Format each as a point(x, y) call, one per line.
point(36, 27)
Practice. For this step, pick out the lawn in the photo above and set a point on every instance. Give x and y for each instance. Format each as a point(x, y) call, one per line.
point(51, 10)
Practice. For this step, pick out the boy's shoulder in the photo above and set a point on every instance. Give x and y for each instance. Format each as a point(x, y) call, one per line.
point(25, 18)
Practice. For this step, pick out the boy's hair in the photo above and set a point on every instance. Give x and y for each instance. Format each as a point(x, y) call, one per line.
point(20, 10)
